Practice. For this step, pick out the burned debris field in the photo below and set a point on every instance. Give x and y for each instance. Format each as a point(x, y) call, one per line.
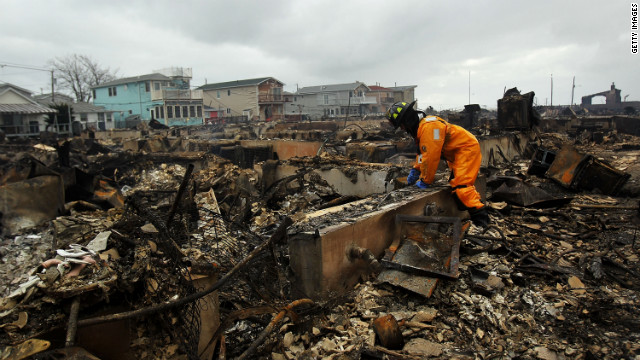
point(301, 241)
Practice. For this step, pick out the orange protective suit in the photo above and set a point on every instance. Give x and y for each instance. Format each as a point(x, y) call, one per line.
point(437, 139)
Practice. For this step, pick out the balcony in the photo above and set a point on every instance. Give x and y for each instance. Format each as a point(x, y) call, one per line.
point(176, 94)
point(357, 100)
point(271, 99)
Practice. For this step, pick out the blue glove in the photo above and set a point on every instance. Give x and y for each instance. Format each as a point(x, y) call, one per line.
point(422, 185)
point(414, 175)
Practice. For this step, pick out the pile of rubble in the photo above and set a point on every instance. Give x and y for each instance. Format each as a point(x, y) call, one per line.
point(556, 276)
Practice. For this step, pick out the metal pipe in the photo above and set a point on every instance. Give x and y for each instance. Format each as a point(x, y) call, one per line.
point(356, 252)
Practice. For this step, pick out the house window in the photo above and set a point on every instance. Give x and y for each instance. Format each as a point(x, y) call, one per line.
point(161, 112)
point(192, 111)
point(83, 117)
point(218, 94)
point(295, 98)
point(93, 93)
point(170, 112)
point(185, 111)
point(228, 110)
point(100, 116)
point(228, 92)
point(147, 86)
point(153, 114)
point(33, 127)
point(178, 112)
point(199, 111)
point(326, 99)
point(112, 91)
point(156, 86)
point(130, 112)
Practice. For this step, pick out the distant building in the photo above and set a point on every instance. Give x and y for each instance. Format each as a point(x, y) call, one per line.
point(611, 96)
point(164, 96)
point(384, 98)
point(330, 101)
point(252, 99)
point(20, 114)
point(403, 93)
point(340, 100)
point(613, 103)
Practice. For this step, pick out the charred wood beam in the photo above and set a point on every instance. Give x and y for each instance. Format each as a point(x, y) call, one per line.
point(339, 201)
point(531, 263)
point(72, 328)
point(277, 236)
point(603, 206)
point(183, 186)
point(276, 320)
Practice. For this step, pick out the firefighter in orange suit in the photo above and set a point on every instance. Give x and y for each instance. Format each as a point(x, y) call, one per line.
point(438, 139)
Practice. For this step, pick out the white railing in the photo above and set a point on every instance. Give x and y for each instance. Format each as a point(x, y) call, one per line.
point(357, 100)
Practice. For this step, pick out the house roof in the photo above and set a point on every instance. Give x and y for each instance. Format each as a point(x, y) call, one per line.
point(378, 88)
point(236, 83)
point(22, 91)
point(331, 88)
point(45, 99)
point(29, 106)
point(83, 107)
point(402, 88)
point(134, 79)
point(26, 109)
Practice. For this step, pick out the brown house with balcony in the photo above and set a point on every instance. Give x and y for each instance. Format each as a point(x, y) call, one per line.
point(384, 98)
point(252, 99)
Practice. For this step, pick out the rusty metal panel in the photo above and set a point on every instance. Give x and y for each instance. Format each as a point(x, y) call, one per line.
point(599, 175)
point(564, 167)
point(577, 171)
point(429, 249)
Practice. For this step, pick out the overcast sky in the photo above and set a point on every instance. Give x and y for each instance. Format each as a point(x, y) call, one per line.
point(452, 50)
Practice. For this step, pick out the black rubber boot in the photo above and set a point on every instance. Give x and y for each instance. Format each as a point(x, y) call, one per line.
point(480, 217)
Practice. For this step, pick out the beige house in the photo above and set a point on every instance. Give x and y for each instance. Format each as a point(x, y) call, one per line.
point(252, 99)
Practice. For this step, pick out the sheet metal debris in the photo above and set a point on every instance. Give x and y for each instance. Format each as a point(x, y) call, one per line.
point(428, 248)
point(578, 171)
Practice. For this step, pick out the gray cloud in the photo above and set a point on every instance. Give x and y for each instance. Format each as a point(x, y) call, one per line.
point(434, 45)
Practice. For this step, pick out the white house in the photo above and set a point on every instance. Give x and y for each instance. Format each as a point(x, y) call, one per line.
point(20, 115)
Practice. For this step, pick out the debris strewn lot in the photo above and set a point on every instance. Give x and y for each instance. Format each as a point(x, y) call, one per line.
point(556, 276)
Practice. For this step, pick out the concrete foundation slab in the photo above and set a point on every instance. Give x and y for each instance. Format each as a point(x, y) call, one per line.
point(320, 261)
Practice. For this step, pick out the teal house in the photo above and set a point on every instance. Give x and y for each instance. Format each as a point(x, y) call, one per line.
point(165, 96)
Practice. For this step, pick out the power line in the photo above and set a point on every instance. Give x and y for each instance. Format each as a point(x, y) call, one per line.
point(24, 67)
point(2, 65)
